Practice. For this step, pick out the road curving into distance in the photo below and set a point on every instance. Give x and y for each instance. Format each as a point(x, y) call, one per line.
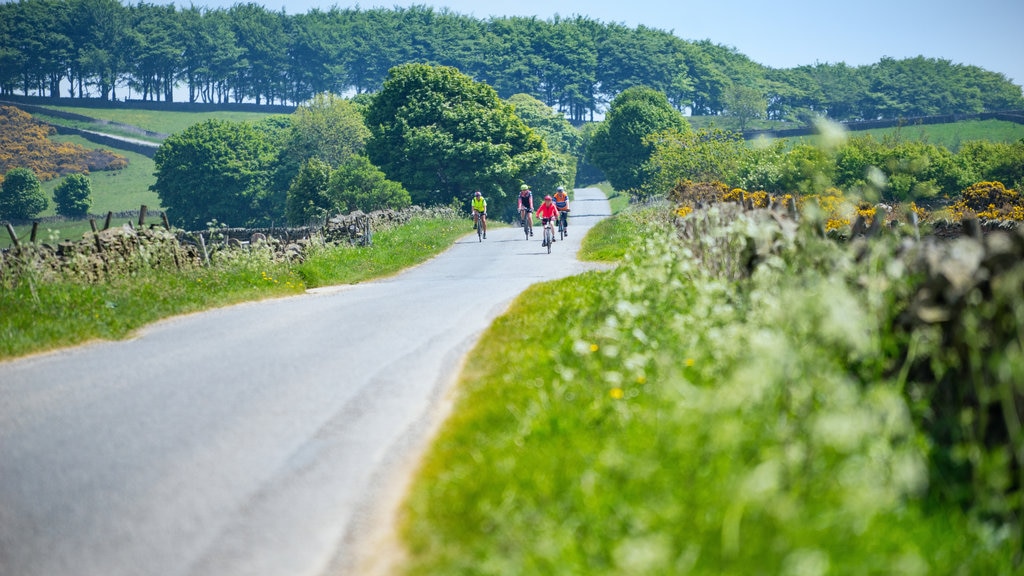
point(257, 439)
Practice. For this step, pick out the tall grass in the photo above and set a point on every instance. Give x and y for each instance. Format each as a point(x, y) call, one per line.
point(673, 422)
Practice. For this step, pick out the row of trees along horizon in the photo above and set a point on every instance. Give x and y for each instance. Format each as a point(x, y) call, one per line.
point(246, 53)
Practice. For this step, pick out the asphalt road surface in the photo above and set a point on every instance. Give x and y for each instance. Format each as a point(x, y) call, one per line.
point(254, 439)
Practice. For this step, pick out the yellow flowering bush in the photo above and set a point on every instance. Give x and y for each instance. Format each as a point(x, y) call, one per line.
point(991, 200)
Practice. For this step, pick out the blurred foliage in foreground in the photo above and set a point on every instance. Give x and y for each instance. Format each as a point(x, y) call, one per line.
point(743, 394)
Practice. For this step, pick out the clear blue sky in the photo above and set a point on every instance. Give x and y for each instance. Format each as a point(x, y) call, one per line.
point(780, 33)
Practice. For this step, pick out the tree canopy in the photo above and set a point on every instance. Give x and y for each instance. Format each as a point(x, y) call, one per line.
point(443, 135)
point(576, 65)
point(217, 169)
point(620, 147)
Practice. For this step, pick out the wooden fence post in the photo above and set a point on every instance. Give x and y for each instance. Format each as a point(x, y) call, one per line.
point(142, 216)
point(106, 224)
point(167, 223)
point(202, 244)
point(14, 237)
point(35, 228)
point(92, 224)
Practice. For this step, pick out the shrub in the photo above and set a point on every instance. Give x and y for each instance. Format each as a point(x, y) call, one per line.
point(22, 196)
point(989, 200)
point(73, 195)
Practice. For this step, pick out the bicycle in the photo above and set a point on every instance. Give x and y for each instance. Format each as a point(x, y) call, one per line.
point(478, 223)
point(549, 234)
point(562, 223)
point(526, 219)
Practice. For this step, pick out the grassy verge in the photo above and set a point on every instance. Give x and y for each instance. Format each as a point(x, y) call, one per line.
point(610, 239)
point(391, 252)
point(618, 200)
point(670, 422)
point(36, 316)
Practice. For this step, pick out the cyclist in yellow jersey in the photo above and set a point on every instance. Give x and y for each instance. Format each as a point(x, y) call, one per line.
point(479, 205)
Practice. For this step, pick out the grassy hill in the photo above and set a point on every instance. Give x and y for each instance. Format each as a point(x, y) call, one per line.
point(154, 120)
point(125, 189)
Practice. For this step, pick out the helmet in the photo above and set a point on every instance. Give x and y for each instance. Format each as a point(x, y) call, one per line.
point(560, 189)
point(548, 197)
point(477, 193)
point(524, 187)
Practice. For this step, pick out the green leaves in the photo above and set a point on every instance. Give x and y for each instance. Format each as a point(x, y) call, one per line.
point(217, 169)
point(21, 196)
point(441, 134)
point(619, 147)
point(73, 195)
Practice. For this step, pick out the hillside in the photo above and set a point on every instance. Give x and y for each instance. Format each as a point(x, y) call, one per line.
point(26, 143)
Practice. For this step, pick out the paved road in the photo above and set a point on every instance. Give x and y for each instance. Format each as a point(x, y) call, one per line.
point(251, 439)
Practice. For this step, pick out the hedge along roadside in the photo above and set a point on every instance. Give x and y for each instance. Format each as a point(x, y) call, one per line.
point(674, 421)
point(36, 316)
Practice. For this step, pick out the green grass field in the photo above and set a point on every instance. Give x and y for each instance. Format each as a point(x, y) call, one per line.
point(112, 191)
point(164, 122)
point(950, 135)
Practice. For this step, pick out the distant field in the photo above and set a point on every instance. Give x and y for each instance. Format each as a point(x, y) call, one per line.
point(112, 191)
point(156, 120)
point(953, 134)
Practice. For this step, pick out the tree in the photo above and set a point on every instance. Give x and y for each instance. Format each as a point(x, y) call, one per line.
point(73, 195)
point(706, 155)
point(441, 135)
point(328, 128)
point(307, 198)
point(21, 197)
point(217, 169)
point(559, 134)
point(359, 185)
point(619, 147)
point(745, 103)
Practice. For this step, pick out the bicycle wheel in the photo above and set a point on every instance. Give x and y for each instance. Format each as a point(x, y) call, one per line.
point(479, 230)
point(548, 236)
point(526, 227)
point(561, 226)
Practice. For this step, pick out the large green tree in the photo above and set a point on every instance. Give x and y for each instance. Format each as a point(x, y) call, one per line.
point(442, 135)
point(326, 127)
point(21, 196)
point(218, 169)
point(620, 147)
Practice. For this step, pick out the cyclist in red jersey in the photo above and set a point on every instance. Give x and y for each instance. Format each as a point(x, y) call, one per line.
point(547, 212)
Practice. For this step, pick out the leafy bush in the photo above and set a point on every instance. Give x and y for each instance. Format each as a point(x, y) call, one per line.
point(21, 196)
point(307, 199)
point(989, 200)
point(73, 195)
point(359, 185)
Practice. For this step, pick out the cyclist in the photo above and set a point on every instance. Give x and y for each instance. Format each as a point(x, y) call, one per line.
point(526, 206)
point(547, 212)
point(562, 203)
point(479, 205)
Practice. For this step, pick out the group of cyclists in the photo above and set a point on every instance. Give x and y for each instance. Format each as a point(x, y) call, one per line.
point(554, 207)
